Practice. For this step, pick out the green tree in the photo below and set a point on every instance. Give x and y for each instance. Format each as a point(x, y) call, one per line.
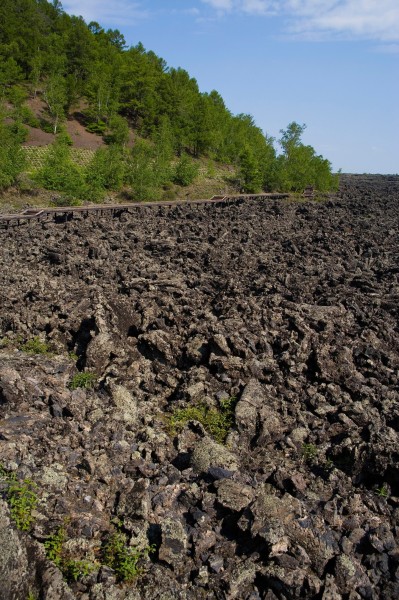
point(118, 131)
point(10, 73)
point(60, 173)
point(250, 174)
point(299, 166)
point(185, 171)
point(106, 171)
point(55, 97)
point(163, 150)
point(140, 172)
point(12, 158)
point(291, 137)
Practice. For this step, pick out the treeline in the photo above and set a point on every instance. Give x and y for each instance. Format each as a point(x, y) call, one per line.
point(44, 51)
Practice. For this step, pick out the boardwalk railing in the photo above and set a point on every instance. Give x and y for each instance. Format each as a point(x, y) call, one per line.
point(116, 209)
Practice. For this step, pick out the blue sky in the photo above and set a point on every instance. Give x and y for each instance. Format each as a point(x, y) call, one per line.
point(331, 64)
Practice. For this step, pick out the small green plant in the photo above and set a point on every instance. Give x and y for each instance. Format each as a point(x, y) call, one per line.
point(122, 558)
point(54, 545)
point(383, 491)
point(64, 200)
point(36, 346)
point(4, 342)
point(71, 568)
point(31, 595)
point(329, 465)
point(21, 498)
point(216, 422)
point(73, 356)
point(82, 380)
point(309, 452)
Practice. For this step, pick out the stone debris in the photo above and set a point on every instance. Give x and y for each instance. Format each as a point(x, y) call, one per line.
point(288, 308)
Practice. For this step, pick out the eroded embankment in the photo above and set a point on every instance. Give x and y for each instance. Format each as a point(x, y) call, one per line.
point(289, 308)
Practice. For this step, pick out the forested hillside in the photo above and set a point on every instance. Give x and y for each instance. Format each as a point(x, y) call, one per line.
point(74, 66)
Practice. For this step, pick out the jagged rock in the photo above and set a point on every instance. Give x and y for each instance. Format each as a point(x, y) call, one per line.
point(125, 403)
point(233, 495)
point(174, 543)
point(291, 309)
point(135, 503)
point(248, 407)
point(24, 568)
point(208, 454)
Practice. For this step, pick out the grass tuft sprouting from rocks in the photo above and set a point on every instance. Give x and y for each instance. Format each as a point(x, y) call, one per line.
point(36, 346)
point(216, 422)
point(82, 380)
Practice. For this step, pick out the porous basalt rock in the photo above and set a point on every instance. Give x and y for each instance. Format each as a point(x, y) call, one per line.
point(284, 311)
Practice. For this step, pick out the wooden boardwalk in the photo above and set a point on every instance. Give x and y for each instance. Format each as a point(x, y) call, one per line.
point(68, 212)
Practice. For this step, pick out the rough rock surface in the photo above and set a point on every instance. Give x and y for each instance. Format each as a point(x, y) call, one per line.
point(290, 307)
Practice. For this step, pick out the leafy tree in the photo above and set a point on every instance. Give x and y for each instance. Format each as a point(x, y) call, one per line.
point(185, 171)
point(12, 158)
point(163, 150)
point(140, 172)
point(102, 90)
point(55, 96)
point(250, 173)
point(118, 131)
point(299, 165)
point(107, 170)
point(10, 73)
point(291, 137)
point(60, 173)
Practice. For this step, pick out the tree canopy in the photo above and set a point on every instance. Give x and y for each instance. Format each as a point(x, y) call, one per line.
point(45, 51)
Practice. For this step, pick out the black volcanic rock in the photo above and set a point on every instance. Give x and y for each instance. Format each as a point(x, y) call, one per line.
point(289, 307)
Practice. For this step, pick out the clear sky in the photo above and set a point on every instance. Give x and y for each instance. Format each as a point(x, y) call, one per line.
point(331, 64)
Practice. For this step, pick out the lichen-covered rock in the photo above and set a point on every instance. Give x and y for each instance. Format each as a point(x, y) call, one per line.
point(209, 454)
point(234, 495)
point(174, 544)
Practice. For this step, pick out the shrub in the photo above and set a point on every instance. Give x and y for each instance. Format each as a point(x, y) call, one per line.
point(118, 131)
point(106, 170)
point(64, 200)
point(36, 346)
point(141, 173)
point(383, 491)
point(60, 173)
point(71, 568)
point(4, 342)
point(216, 422)
point(169, 195)
point(98, 127)
point(123, 559)
point(12, 158)
point(309, 452)
point(54, 545)
point(19, 132)
point(82, 380)
point(28, 117)
point(74, 568)
point(185, 171)
point(21, 498)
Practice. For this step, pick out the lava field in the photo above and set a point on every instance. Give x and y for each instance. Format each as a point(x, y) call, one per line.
point(215, 385)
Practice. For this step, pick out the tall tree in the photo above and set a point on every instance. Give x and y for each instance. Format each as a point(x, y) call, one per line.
point(55, 96)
